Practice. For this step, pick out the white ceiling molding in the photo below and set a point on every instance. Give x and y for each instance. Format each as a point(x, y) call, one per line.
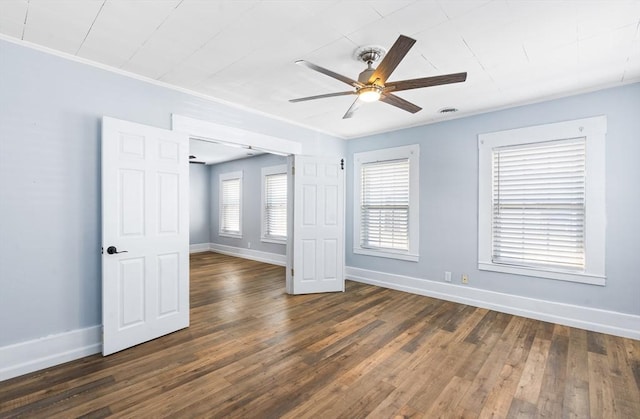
point(242, 53)
point(233, 136)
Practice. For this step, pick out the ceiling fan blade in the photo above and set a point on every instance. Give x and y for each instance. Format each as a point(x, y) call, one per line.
point(354, 107)
point(302, 99)
point(397, 86)
point(196, 162)
point(390, 61)
point(329, 73)
point(400, 103)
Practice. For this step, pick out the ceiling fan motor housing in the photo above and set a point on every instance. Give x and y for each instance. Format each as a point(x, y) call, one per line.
point(369, 54)
point(365, 75)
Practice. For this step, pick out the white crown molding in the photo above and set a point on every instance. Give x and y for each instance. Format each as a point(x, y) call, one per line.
point(33, 355)
point(159, 83)
point(596, 320)
point(244, 108)
point(517, 104)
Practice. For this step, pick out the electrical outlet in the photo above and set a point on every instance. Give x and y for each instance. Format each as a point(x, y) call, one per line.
point(447, 276)
point(465, 278)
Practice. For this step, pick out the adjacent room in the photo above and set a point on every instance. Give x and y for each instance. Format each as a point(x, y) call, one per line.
point(420, 208)
point(238, 202)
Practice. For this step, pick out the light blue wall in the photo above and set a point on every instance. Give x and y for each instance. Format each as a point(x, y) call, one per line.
point(50, 112)
point(199, 204)
point(251, 206)
point(50, 221)
point(449, 199)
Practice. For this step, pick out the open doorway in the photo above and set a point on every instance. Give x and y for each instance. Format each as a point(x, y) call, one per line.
point(238, 201)
point(138, 214)
point(315, 205)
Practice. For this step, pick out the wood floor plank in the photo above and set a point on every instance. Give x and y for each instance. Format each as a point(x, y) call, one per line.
point(551, 397)
point(499, 399)
point(576, 391)
point(596, 343)
point(252, 351)
point(521, 409)
point(531, 381)
point(488, 375)
point(448, 398)
point(601, 399)
point(436, 372)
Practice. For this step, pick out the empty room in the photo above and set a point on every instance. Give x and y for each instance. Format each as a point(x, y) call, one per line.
point(320, 209)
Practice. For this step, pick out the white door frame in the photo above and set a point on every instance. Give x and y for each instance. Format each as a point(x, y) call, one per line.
point(224, 134)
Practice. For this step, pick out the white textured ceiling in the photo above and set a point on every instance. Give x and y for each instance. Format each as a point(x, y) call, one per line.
point(212, 153)
point(514, 51)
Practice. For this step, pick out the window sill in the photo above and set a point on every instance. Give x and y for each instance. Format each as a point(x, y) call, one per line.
point(230, 235)
point(386, 254)
point(583, 278)
point(272, 240)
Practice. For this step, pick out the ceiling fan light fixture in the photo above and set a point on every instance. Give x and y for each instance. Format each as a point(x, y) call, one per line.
point(369, 93)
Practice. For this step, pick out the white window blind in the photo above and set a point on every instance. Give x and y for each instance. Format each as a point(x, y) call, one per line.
point(230, 216)
point(539, 205)
point(384, 205)
point(275, 206)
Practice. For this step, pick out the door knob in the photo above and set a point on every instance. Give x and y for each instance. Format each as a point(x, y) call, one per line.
point(112, 250)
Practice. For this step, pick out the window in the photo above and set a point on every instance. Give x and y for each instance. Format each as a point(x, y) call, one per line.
point(231, 204)
point(274, 204)
point(386, 203)
point(541, 201)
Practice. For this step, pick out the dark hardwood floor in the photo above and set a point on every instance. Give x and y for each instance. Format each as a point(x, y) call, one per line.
point(254, 351)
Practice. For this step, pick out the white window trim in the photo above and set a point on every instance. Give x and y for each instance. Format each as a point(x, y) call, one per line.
point(412, 152)
point(594, 131)
point(223, 177)
point(266, 171)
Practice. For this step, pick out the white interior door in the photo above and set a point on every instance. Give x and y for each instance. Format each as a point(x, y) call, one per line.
point(318, 226)
point(145, 218)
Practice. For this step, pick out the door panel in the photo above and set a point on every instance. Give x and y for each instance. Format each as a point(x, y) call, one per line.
point(331, 205)
point(310, 193)
point(168, 195)
point(131, 290)
point(169, 283)
point(331, 258)
point(318, 226)
point(145, 177)
point(131, 220)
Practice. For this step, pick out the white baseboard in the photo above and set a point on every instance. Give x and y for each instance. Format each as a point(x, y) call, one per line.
point(25, 357)
point(610, 322)
point(199, 247)
point(33, 355)
point(260, 256)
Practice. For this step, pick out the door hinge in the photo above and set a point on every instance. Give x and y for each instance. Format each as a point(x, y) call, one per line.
point(293, 170)
point(342, 164)
point(291, 271)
